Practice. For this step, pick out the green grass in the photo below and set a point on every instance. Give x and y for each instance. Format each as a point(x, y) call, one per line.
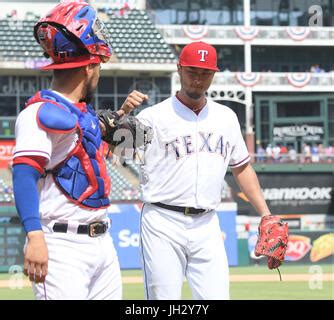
point(239, 290)
point(17, 294)
point(274, 291)
point(285, 269)
point(280, 291)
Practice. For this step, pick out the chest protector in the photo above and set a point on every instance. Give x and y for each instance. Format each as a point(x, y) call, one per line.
point(82, 176)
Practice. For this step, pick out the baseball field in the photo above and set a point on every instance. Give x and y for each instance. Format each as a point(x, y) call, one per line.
point(314, 282)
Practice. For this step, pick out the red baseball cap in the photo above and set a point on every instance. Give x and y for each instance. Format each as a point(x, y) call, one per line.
point(199, 55)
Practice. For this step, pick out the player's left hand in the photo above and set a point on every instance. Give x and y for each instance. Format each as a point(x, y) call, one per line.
point(134, 100)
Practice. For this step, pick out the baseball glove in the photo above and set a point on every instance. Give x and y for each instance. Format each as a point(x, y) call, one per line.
point(272, 240)
point(128, 131)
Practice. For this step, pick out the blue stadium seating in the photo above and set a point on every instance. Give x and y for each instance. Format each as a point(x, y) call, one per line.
point(134, 38)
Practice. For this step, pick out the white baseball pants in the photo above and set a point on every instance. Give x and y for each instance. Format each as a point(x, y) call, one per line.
point(80, 268)
point(174, 246)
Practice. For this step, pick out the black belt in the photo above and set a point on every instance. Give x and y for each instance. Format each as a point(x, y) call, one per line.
point(93, 229)
point(184, 210)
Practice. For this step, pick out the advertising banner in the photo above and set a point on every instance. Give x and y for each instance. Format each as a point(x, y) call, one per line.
point(311, 247)
point(290, 193)
point(227, 214)
point(289, 133)
point(6, 152)
point(304, 247)
point(125, 233)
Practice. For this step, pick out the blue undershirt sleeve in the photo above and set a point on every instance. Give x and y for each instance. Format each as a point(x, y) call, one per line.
point(25, 181)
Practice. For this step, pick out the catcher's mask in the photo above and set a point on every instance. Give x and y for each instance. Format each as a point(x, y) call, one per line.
point(73, 36)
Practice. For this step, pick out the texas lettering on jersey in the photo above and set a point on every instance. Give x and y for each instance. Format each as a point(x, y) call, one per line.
point(186, 162)
point(208, 142)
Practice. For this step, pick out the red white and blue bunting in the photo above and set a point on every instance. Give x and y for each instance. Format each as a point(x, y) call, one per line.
point(299, 80)
point(195, 32)
point(247, 33)
point(248, 79)
point(298, 33)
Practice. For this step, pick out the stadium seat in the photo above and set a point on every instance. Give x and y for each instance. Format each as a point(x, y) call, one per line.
point(121, 189)
point(133, 38)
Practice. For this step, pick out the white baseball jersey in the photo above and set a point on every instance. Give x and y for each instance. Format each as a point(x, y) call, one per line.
point(186, 162)
point(185, 165)
point(31, 140)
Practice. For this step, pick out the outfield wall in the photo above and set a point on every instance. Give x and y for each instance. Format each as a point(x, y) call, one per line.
point(306, 246)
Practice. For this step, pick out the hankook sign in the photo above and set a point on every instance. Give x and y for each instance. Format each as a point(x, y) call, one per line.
point(290, 193)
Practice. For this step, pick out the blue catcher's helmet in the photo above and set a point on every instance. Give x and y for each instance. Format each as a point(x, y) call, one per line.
point(73, 36)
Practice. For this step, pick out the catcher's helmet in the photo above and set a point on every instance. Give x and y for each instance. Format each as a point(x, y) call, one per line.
point(73, 36)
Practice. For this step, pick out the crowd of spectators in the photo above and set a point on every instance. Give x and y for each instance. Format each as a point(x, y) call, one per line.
point(310, 153)
point(6, 192)
point(315, 68)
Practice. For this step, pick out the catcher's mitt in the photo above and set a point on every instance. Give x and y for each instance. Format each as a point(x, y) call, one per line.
point(272, 240)
point(128, 131)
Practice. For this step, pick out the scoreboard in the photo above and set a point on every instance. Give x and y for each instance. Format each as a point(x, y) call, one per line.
point(12, 238)
point(7, 127)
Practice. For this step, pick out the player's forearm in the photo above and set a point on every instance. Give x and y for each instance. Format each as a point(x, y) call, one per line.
point(26, 195)
point(108, 118)
point(249, 185)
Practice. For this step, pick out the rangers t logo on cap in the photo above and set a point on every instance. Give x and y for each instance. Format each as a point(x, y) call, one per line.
point(207, 54)
point(203, 53)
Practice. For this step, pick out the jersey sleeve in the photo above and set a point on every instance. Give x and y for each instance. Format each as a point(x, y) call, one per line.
point(30, 139)
point(239, 153)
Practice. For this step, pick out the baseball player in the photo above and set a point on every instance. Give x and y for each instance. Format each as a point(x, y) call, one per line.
point(61, 185)
point(194, 141)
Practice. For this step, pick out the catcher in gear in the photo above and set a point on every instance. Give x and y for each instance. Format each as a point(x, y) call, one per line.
point(60, 179)
point(272, 240)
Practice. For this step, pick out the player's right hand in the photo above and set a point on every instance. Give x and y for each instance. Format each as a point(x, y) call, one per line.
point(134, 99)
point(36, 257)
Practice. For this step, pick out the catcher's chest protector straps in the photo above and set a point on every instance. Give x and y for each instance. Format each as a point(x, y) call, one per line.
point(82, 176)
